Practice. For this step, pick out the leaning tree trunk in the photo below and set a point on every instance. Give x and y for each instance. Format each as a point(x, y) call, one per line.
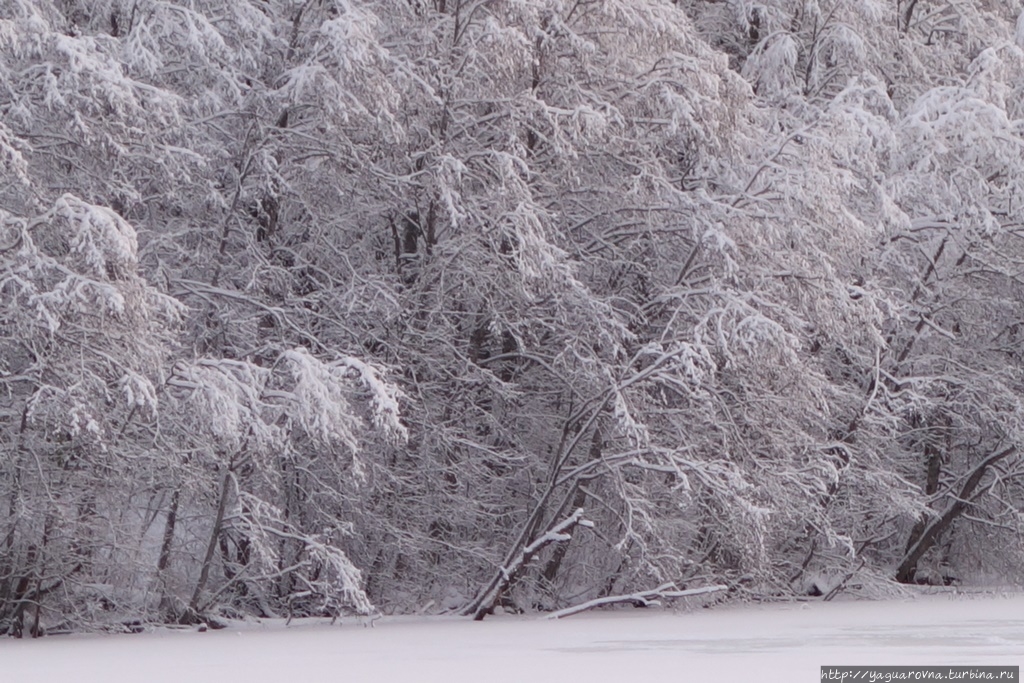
point(211, 547)
point(934, 528)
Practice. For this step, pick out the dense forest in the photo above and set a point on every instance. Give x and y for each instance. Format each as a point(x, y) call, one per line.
point(312, 307)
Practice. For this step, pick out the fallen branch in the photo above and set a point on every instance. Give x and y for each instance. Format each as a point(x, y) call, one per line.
point(643, 598)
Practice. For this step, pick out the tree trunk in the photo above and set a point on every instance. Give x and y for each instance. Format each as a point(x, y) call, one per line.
point(579, 497)
point(934, 528)
point(211, 547)
point(166, 606)
point(934, 457)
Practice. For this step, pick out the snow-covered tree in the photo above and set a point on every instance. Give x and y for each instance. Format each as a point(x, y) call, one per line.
point(451, 304)
point(85, 342)
point(114, 425)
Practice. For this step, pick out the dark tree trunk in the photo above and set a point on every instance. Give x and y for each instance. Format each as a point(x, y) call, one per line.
point(211, 547)
point(934, 528)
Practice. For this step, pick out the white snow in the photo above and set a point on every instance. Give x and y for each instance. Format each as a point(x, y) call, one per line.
point(764, 643)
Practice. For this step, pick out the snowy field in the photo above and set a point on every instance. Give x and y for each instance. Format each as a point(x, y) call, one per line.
point(755, 643)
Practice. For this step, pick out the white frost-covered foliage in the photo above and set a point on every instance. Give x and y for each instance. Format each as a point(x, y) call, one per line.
point(86, 370)
point(384, 396)
point(263, 430)
point(771, 68)
point(314, 306)
point(85, 339)
point(244, 405)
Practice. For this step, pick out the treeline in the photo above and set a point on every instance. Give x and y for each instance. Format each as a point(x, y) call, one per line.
point(316, 306)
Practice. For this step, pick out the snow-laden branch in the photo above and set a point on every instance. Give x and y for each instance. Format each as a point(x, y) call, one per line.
point(642, 598)
point(555, 534)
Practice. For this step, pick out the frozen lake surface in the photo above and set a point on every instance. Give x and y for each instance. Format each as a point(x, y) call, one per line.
point(758, 643)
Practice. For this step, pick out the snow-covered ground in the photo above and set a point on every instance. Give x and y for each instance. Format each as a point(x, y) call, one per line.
point(763, 643)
